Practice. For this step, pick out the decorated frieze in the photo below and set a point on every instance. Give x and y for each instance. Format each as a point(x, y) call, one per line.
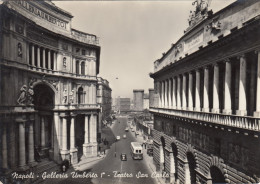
point(197, 139)
point(238, 155)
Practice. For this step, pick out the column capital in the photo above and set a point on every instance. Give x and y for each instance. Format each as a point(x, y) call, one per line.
point(241, 56)
point(257, 51)
point(226, 60)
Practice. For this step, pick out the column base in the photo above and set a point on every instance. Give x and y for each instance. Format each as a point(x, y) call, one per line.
point(90, 150)
point(205, 109)
point(172, 178)
point(215, 110)
point(74, 156)
point(65, 154)
point(257, 114)
point(198, 109)
point(184, 108)
point(32, 164)
point(23, 168)
point(241, 112)
point(227, 111)
point(190, 109)
point(179, 108)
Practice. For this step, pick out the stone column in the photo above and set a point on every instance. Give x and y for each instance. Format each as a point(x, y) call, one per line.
point(190, 105)
point(64, 150)
point(22, 157)
point(160, 94)
point(33, 56)
point(206, 90)
point(173, 93)
point(31, 160)
point(43, 59)
point(197, 92)
point(216, 90)
point(257, 111)
point(184, 101)
point(178, 92)
point(43, 142)
point(73, 150)
point(227, 98)
point(38, 57)
point(55, 61)
point(4, 147)
point(170, 93)
point(172, 168)
point(94, 96)
point(86, 136)
point(49, 59)
point(57, 138)
point(242, 104)
point(166, 93)
point(94, 68)
point(80, 68)
point(64, 133)
point(163, 94)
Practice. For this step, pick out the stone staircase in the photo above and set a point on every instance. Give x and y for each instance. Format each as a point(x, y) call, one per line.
point(44, 166)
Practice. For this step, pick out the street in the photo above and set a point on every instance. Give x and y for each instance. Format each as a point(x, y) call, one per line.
point(111, 170)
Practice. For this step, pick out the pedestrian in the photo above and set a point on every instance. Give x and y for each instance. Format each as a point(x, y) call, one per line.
point(104, 151)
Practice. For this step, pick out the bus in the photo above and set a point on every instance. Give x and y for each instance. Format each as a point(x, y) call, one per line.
point(136, 151)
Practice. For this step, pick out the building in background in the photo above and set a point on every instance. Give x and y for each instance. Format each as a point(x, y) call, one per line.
point(48, 86)
point(206, 119)
point(105, 101)
point(125, 105)
point(151, 97)
point(138, 96)
point(146, 101)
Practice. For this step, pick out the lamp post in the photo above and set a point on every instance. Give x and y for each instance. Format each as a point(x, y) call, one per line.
point(115, 148)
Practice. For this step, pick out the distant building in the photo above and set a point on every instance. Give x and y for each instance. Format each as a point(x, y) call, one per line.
point(151, 97)
point(138, 99)
point(146, 101)
point(105, 101)
point(124, 105)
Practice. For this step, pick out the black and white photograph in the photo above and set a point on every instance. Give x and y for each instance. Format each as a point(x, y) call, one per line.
point(129, 92)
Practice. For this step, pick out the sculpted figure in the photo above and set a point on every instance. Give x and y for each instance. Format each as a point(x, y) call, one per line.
point(71, 96)
point(22, 98)
point(30, 95)
point(65, 97)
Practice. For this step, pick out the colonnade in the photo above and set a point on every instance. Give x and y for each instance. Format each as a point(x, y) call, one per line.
point(194, 90)
point(41, 57)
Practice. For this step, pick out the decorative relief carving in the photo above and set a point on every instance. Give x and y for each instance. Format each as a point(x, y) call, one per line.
point(43, 39)
point(195, 138)
point(215, 25)
point(65, 97)
point(71, 96)
point(201, 12)
point(19, 50)
point(238, 154)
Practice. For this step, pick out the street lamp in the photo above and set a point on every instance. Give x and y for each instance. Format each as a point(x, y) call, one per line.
point(115, 148)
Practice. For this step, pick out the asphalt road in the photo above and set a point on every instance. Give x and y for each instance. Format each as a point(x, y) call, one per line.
point(111, 170)
point(115, 171)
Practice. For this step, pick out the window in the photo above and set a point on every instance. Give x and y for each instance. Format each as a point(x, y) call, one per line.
point(77, 67)
point(80, 96)
point(83, 52)
point(82, 68)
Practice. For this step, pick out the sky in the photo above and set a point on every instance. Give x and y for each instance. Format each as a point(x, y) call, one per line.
point(133, 34)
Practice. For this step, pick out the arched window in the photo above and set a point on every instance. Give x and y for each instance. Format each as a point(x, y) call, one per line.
point(82, 68)
point(77, 67)
point(80, 96)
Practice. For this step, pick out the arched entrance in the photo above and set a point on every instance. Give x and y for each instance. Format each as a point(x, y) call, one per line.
point(216, 175)
point(191, 169)
point(80, 135)
point(43, 100)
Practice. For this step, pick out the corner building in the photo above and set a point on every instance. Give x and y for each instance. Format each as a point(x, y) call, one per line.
point(206, 116)
point(48, 85)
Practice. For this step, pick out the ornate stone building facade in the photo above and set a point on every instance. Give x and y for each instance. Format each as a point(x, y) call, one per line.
point(48, 85)
point(104, 99)
point(206, 116)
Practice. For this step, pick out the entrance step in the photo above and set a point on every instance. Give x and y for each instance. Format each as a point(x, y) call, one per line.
point(44, 166)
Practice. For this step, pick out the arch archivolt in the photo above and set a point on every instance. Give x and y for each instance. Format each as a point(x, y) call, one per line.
point(217, 162)
point(50, 83)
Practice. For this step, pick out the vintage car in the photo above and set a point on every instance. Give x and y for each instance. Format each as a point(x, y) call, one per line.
point(123, 157)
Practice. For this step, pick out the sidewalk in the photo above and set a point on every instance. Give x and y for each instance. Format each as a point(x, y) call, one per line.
point(147, 158)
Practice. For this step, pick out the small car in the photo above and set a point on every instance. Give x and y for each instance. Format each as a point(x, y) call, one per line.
point(123, 157)
point(124, 136)
point(126, 129)
point(117, 137)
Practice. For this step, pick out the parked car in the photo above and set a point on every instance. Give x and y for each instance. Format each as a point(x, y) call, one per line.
point(126, 129)
point(118, 138)
point(123, 157)
point(124, 136)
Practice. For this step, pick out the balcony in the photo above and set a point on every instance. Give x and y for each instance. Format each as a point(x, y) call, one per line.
point(242, 122)
point(84, 37)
